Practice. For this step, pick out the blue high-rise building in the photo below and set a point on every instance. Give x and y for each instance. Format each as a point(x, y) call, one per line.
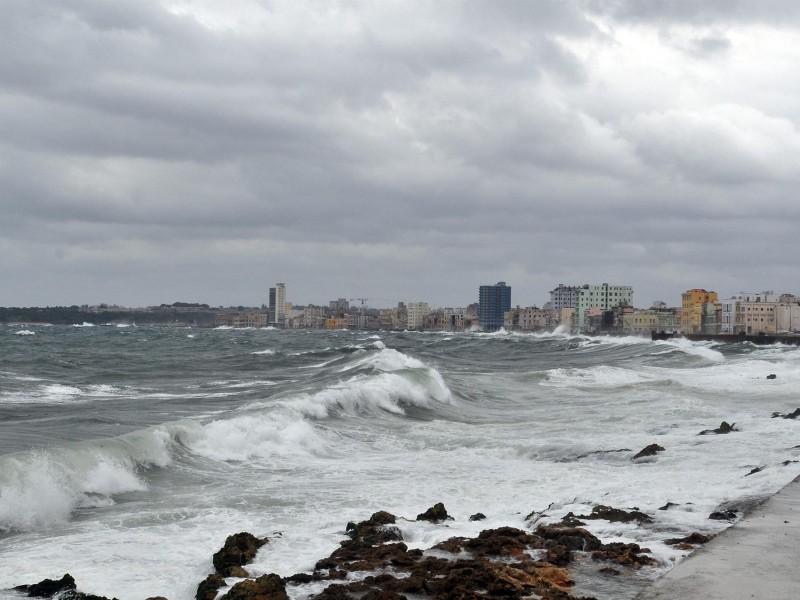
point(493, 302)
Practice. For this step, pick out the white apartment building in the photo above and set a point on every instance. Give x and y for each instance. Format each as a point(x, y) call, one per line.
point(277, 304)
point(787, 317)
point(749, 312)
point(602, 296)
point(417, 311)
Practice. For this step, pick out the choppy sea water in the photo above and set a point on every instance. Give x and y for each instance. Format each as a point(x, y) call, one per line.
point(128, 454)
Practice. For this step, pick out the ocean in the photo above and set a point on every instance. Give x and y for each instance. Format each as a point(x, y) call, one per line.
point(128, 454)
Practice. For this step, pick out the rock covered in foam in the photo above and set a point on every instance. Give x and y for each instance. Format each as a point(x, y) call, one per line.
point(650, 450)
point(47, 588)
point(239, 549)
point(435, 514)
point(723, 428)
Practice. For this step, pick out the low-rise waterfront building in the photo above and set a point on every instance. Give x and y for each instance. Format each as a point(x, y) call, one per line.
point(241, 319)
point(733, 319)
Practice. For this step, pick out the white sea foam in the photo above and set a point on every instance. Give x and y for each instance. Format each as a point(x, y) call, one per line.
point(42, 488)
point(84, 324)
point(701, 349)
point(388, 359)
point(599, 376)
point(267, 352)
point(24, 332)
point(261, 435)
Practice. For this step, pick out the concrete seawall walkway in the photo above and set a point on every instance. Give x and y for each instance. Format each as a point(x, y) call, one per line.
point(758, 557)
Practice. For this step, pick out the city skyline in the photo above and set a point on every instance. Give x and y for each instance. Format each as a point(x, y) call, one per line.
point(193, 151)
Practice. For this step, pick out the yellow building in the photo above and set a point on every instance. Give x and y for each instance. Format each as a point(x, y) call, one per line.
point(695, 310)
point(336, 323)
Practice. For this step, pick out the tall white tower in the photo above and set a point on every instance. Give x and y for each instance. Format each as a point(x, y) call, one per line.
point(280, 304)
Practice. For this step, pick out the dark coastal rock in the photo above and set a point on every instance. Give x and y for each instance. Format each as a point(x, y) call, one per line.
point(609, 571)
point(64, 588)
point(692, 538)
point(207, 590)
point(503, 541)
point(723, 428)
point(579, 457)
point(792, 415)
point(75, 595)
point(359, 556)
point(435, 514)
point(627, 555)
point(756, 470)
point(723, 515)
point(378, 529)
point(667, 506)
point(570, 520)
point(772, 376)
point(156, 598)
point(380, 595)
point(650, 450)
point(477, 517)
point(617, 515)
point(266, 587)
point(239, 549)
point(573, 538)
point(498, 563)
point(47, 588)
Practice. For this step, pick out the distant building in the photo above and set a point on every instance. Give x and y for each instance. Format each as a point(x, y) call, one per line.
point(602, 296)
point(787, 316)
point(314, 317)
point(493, 302)
point(241, 319)
point(737, 314)
point(342, 305)
point(277, 305)
point(564, 296)
point(696, 314)
point(530, 318)
point(417, 311)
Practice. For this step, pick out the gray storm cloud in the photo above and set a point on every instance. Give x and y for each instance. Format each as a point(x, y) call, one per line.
point(200, 151)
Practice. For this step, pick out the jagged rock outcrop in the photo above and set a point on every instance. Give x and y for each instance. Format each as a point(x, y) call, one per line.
point(690, 541)
point(379, 528)
point(65, 588)
point(239, 550)
point(723, 428)
point(207, 590)
point(650, 450)
point(723, 515)
point(435, 514)
point(628, 555)
point(266, 587)
point(617, 515)
point(47, 588)
point(792, 415)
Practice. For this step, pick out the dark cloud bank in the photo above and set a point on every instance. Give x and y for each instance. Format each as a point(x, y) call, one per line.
point(201, 151)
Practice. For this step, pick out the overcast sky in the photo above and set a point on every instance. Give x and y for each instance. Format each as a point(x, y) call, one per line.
point(200, 151)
